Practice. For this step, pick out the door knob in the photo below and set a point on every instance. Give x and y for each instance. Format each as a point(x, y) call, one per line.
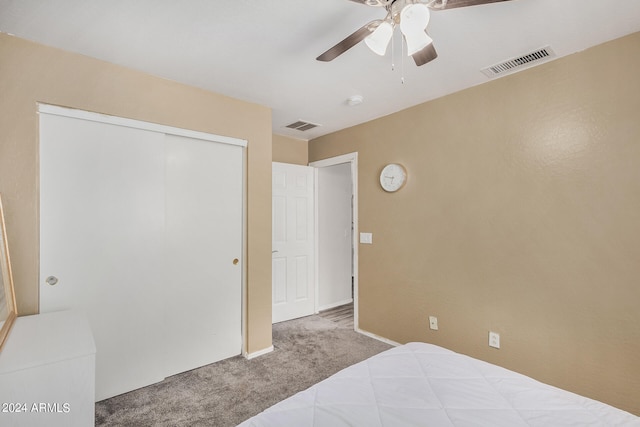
point(236, 261)
point(51, 280)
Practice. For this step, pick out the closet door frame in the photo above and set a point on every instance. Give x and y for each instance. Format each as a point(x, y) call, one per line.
point(138, 124)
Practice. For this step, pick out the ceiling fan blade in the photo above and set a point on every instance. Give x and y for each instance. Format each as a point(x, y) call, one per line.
point(425, 55)
point(450, 4)
point(375, 3)
point(350, 41)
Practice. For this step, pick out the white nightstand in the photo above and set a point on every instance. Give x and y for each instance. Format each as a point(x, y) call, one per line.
point(47, 372)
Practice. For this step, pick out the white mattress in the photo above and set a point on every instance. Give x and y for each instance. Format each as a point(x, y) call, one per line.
point(421, 384)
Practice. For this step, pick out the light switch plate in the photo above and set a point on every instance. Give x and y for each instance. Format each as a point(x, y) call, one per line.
point(366, 238)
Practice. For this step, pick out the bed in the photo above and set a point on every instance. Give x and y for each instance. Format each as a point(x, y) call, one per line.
point(420, 384)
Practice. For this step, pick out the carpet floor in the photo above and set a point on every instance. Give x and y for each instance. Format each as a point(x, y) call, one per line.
point(225, 393)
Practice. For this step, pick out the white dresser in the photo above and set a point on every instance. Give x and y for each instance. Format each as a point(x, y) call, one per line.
point(47, 372)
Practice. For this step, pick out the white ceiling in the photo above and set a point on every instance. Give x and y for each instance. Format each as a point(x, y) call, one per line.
point(264, 51)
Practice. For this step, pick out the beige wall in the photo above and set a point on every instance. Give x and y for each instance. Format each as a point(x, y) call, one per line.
point(290, 150)
point(520, 215)
point(31, 73)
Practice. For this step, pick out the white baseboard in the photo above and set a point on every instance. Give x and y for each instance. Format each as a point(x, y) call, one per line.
point(378, 337)
point(255, 354)
point(335, 304)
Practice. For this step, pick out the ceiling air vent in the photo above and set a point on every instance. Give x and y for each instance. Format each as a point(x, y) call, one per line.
point(301, 125)
point(520, 63)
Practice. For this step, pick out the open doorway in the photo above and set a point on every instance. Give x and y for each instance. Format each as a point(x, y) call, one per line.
point(336, 233)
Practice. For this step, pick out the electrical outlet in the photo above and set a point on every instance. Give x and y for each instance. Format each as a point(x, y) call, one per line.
point(494, 339)
point(433, 323)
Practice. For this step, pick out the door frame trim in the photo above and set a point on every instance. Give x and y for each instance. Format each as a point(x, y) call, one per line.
point(351, 158)
point(137, 124)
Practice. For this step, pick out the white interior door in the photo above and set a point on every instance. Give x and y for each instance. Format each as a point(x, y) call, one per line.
point(141, 230)
point(293, 261)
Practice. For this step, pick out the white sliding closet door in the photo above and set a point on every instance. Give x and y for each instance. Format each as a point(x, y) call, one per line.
point(203, 222)
point(101, 235)
point(141, 230)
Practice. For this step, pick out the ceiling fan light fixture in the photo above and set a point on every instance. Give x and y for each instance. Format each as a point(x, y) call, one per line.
point(416, 42)
point(379, 39)
point(414, 19)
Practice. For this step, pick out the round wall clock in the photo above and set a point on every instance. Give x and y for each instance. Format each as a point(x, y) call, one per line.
point(393, 177)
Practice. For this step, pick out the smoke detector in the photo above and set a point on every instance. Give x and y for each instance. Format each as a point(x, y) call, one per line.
point(354, 100)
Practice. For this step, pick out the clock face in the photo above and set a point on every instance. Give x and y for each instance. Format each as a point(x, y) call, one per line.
point(393, 177)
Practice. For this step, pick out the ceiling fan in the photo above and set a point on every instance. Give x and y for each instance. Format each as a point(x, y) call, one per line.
point(411, 15)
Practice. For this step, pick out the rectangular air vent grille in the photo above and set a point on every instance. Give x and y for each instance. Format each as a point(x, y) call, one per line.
point(302, 125)
point(520, 63)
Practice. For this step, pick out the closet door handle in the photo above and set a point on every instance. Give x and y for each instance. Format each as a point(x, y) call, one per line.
point(51, 280)
point(236, 261)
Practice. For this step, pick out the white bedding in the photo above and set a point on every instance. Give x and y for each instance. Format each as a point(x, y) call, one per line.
point(421, 384)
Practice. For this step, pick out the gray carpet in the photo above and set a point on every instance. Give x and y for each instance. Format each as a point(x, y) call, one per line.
point(226, 393)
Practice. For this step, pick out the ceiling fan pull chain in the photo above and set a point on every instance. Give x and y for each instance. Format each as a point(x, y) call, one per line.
point(393, 50)
point(402, 64)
